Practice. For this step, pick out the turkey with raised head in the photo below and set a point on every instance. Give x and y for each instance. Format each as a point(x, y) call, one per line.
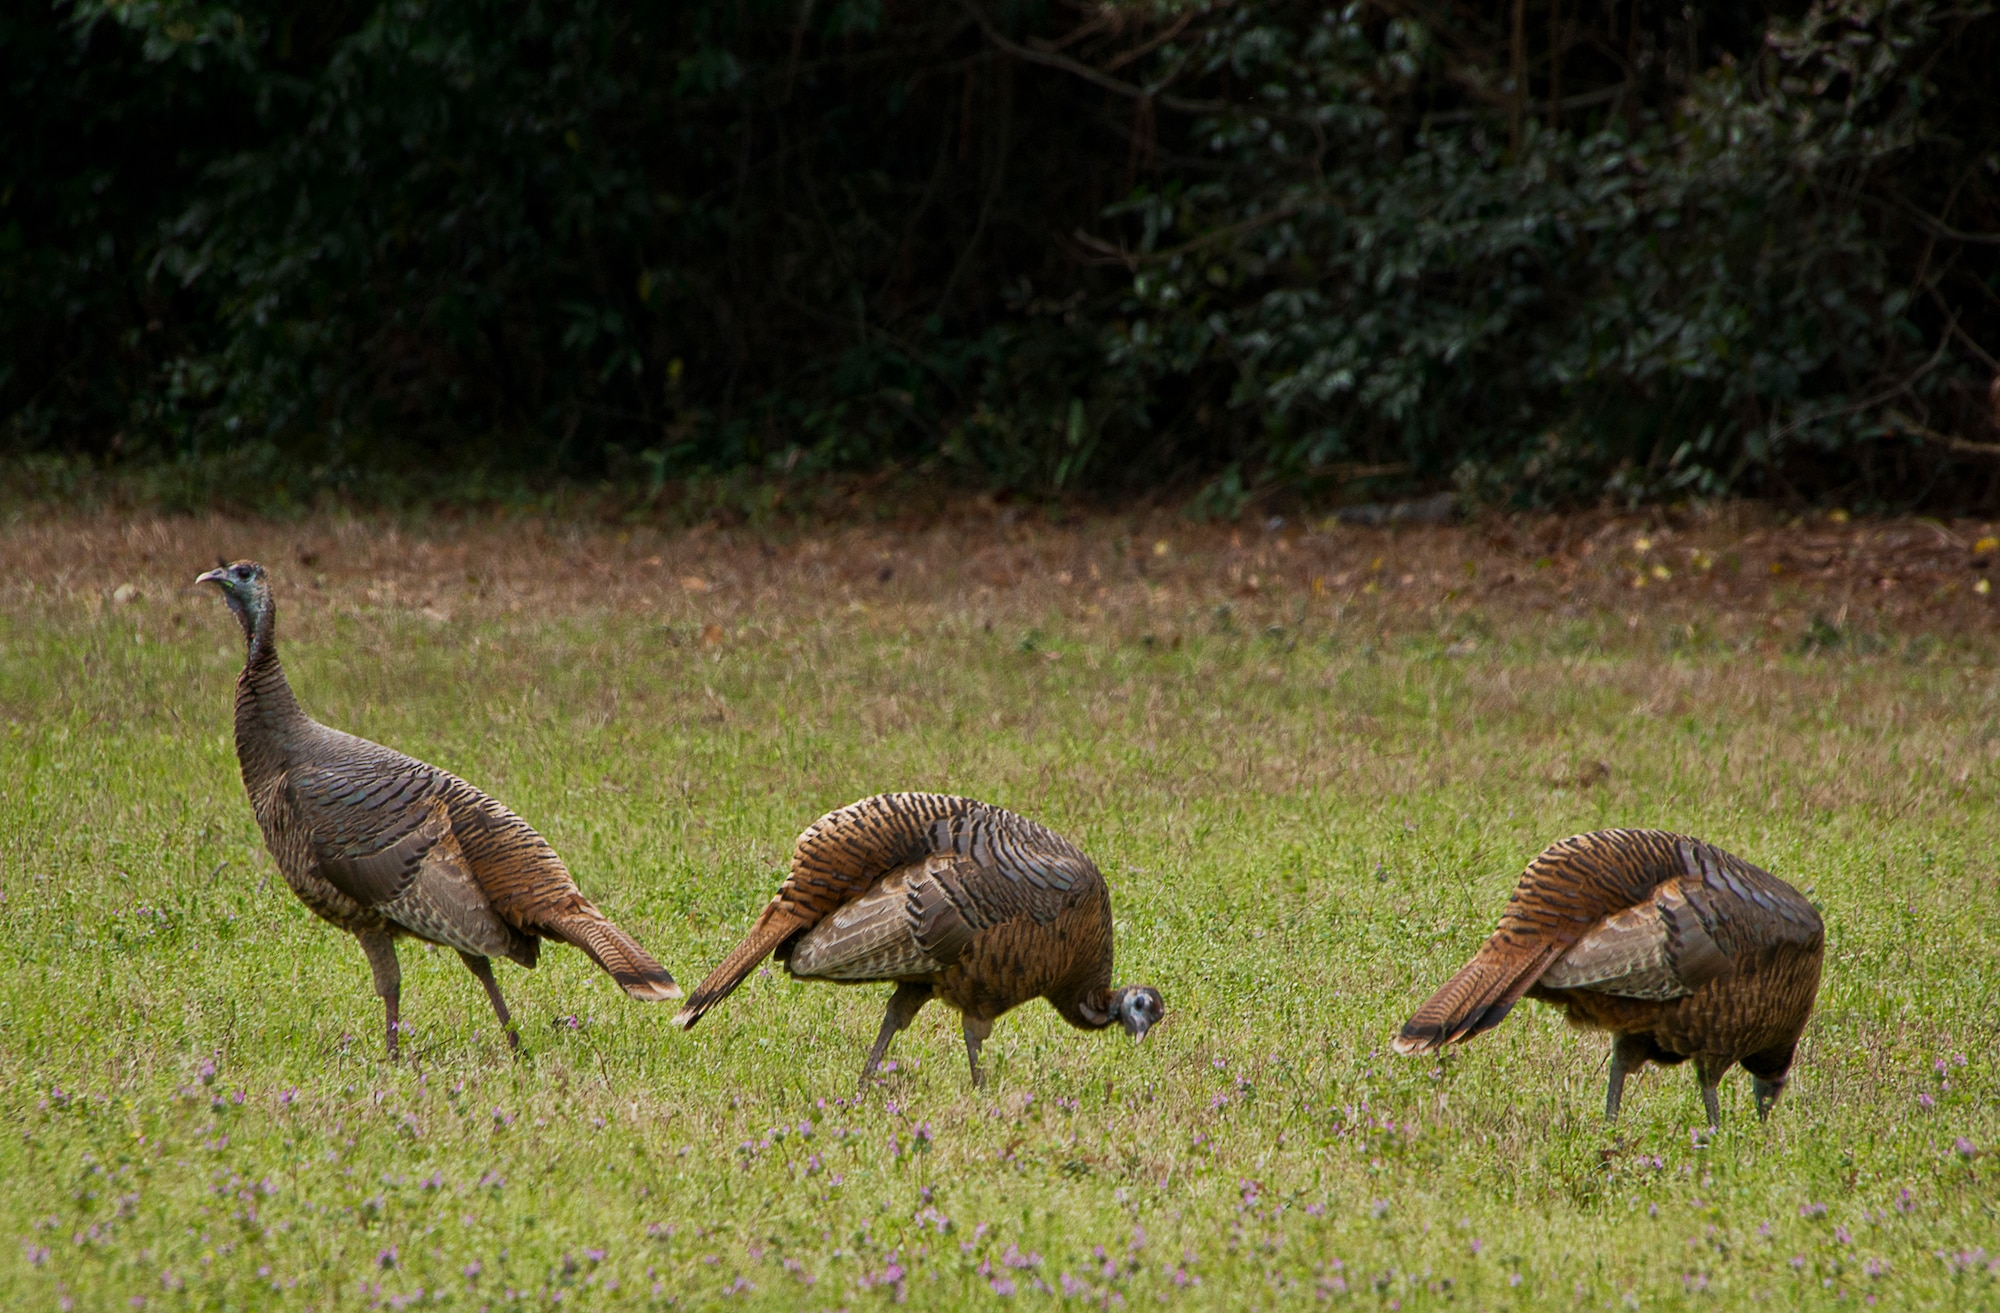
point(1677, 948)
point(383, 845)
point(947, 898)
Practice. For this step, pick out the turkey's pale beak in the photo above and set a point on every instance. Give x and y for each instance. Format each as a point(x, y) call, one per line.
point(1144, 1029)
point(215, 576)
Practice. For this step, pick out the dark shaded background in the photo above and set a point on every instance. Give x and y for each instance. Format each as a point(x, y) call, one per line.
point(1259, 252)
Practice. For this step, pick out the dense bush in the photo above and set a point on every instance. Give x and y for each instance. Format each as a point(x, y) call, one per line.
point(1542, 252)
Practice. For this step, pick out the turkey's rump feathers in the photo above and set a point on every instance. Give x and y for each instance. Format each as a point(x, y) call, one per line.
point(423, 883)
point(898, 884)
point(915, 922)
point(1660, 949)
point(1639, 914)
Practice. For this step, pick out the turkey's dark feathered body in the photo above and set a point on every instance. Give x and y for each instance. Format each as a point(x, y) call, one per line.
point(947, 897)
point(381, 845)
point(1013, 882)
point(1754, 1017)
point(989, 946)
point(1679, 948)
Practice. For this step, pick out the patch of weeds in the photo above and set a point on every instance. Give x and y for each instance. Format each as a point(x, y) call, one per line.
point(1821, 635)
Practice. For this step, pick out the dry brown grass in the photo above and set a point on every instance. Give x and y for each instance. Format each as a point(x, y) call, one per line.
point(1737, 575)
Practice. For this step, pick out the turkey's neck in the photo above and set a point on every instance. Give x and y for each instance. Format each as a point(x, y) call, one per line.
point(265, 708)
point(1090, 1009)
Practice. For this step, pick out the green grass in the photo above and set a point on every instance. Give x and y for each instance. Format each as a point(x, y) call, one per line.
point(1304, 834)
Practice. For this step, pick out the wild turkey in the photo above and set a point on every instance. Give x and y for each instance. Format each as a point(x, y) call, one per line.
point(1679, 949)
point(383, 845)
point(948, 898)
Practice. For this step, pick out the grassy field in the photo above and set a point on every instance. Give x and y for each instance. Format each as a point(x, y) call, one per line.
point(1311, 765)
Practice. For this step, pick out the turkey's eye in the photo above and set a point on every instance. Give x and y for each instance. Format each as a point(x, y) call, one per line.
point(242, 572)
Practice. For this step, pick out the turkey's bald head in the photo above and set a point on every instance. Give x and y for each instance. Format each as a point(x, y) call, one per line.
point(1140, 1008)
point(246, 588)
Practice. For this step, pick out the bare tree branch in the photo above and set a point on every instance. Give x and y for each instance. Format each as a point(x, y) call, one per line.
point(1904, 424)
point(1075, 68)
point(1938, 228)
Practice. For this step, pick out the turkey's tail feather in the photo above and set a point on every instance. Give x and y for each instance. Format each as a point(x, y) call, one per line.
point(619, 954)
point(777, 924)
point(1477, 998)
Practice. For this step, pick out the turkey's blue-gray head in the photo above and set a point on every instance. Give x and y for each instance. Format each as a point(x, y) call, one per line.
point(1140, 1008)
point(246, 588)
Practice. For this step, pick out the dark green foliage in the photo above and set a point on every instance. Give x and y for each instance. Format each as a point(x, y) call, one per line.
point(1713, 298)
point(1261, 248)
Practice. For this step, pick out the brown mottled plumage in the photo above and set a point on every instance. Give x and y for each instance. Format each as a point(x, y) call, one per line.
point(1679, 949)
point(949, 898)
point(382, 845)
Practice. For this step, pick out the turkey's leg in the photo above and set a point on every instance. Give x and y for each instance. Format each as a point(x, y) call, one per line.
point(976, 1031)
point(380, 946)
point(1626, 1058)
point(482, 967)
point(1710, 1078)
point(904, 1005)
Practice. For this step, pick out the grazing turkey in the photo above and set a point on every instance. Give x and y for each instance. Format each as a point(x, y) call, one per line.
point(1679, 949)
point(382, 845)
point(950, 899)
